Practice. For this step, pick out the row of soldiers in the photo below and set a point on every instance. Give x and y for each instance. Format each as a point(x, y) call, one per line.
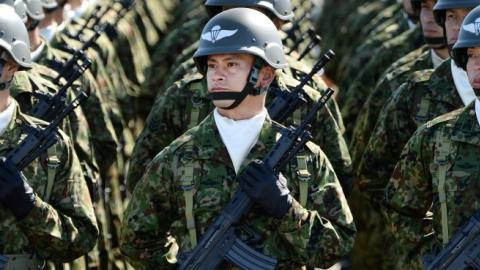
point(151, 74)
point(408, 100)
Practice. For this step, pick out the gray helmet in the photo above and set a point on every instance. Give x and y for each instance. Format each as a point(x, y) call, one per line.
point(241, 30)
point(49, 4)
point(282, 9)
point(441, 7)
point(19, 7)
point(468, 37)
point(15, 36)
point(35, 9)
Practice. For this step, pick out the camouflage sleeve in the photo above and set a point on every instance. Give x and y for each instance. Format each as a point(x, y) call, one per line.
point(144, 238)
point(409, 191)
point(65, 227)
point(163, 125)
point(385, 144)
point(328, 235)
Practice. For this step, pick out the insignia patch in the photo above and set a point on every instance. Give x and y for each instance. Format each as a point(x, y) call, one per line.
point(473, 27)
point(217, 34)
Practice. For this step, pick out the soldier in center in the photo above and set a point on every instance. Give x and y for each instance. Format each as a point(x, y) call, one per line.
point(187, 184)
point(185, 104)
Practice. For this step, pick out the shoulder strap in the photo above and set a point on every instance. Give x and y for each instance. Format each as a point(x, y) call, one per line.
point(186, 185)
point(441, 158)
point(53, 162)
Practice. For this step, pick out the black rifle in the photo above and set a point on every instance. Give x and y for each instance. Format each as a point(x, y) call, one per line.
point(50, 105)
point(286, 102)
point(462, 251)
point(315, 40)
point(3, 262)
point(291, 32)
point(40, 139)
point(219, 242)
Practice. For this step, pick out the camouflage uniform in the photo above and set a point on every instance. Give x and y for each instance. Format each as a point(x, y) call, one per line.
point(414, 186)
point(154, 226)
point(62, 224)
point(395, 75)
point(185, 104)
point(365, 81)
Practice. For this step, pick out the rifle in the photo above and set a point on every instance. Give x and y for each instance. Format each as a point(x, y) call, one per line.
point(40, 139)
point(315, 40)
point(3, 262)
point(462, 251)
point(50, 105)
point(286, 102)
point(219, 242)
point(291, 32)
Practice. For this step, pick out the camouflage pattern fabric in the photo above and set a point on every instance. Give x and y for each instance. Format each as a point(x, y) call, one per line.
point(412, 191)
point(394, 76)
point(154, 229)
point(364, 83)
point(172, 115)
point(62, 228)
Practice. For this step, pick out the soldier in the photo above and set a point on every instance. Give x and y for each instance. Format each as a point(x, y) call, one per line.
point(426, 57)
point(169, 118)
point(46, 210)
point(440, 161)
point(239, 130)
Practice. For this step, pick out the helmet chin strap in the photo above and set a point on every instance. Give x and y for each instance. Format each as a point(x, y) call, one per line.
point(249, 88)
point(435, 41)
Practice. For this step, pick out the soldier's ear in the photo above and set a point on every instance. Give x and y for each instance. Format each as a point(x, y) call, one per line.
point(267, 74)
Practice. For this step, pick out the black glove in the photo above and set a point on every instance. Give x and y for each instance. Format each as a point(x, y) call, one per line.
point(15, 193)
point(266, 188)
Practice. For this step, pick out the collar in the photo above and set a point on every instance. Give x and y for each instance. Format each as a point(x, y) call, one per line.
point(462, 84)
point(6, 117)
point(436, 59)
point(466, 127)
point(35, 55)
point(477, 110)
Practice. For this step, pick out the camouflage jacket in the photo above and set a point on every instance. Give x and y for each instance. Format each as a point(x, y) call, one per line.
point(413, 187)
point(154, 228)
point(61, 228)
point(428, 94)
point(365, 81)
point(185, 104)
point(397, 74)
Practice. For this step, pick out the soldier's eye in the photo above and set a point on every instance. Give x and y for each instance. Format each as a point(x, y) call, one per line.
point(231, 64)
point(211, 65)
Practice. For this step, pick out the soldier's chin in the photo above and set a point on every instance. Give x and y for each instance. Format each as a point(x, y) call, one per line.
point(223, 103)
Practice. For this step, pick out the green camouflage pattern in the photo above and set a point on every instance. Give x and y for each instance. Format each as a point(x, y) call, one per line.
point(412, 191)
point(185, 104)
point(154, 226)
point(58, 230)
point(394, 76)
point(429, 93)
point(351, 100)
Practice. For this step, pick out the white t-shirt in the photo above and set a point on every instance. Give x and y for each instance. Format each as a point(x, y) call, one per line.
point(239, 136)
point(35, 54)
point(477, 109)
point(462, 84)
point(6, 117)
point(436, 59)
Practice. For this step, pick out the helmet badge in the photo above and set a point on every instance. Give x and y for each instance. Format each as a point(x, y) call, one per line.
point(216, 34)
point(473, 27)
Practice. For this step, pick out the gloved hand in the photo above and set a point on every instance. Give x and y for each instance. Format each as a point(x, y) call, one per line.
point(15, 193)
point(266, 188)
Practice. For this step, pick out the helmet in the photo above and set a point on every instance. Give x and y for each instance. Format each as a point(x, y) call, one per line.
point(281, 9)
point(241, 30)
point(19, 7)
point(467, 38)
point(49, 4)
point(441, 7)
point(35, 9)
point(15, 36)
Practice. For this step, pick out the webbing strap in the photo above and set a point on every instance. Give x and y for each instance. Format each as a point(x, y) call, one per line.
point(444, 145)
point(52, 164)
point(304, 176)
point(187, 187)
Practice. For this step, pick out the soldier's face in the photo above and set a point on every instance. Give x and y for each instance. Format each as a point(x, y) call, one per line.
point(429, 27)
point(9, 69)
point(453, 22)
point(473, 68)
point(227, 73)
